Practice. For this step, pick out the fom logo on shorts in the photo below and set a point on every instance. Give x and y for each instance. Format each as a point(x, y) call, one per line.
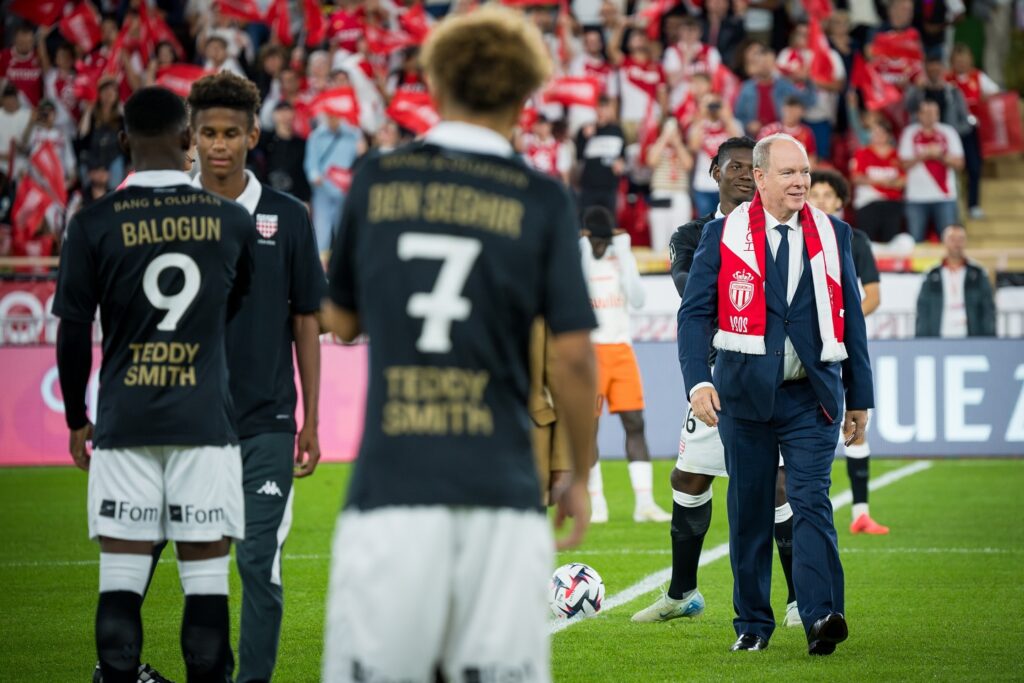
point(190, 514)
point(123, 510)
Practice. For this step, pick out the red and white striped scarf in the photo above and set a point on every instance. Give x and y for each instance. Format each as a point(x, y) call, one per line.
point(742, 314)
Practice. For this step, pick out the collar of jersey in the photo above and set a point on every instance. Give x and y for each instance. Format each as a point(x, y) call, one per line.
point(250, 196)
point(718, 212)
point(466, 137)
point(166, 178)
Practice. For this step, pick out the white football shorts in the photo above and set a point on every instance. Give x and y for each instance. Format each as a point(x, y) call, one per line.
point(417, 588)
point(701, 450)
point(178, 493)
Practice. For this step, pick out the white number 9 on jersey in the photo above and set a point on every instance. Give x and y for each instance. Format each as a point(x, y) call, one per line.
point(445, 302)
point(174, 304)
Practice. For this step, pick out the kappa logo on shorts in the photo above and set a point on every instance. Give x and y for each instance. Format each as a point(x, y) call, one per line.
point(123, 510)
point(499, 673)
point(270, 488)
point(190, 514)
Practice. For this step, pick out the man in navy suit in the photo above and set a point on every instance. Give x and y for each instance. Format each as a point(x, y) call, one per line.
point(783, 396)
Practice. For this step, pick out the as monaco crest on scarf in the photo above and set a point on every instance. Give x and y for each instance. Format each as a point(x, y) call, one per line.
point(266, 225)
point(741, 291)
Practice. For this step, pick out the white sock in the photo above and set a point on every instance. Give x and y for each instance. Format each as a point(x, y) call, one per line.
point(595, 484)
point(859, 509)
point(641, 475)
point(124, 572)
point(783, 512)
point(858, 450)
point(204, 577)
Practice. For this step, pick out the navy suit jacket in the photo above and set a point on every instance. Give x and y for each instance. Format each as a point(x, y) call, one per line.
point(746, 383)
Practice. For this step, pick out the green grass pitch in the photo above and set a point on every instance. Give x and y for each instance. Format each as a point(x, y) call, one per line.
point(941, 598)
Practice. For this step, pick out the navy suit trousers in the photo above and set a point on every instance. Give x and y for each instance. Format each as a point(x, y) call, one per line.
point(808, 443)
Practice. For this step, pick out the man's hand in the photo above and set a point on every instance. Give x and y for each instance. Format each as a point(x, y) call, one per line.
point(572, 501)
point(307, 452)
point(705, 406)
point(77, 446)
point(560, 480)
point(854, 426)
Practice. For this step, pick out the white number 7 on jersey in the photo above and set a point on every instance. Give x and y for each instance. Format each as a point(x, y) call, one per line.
point(445, 302)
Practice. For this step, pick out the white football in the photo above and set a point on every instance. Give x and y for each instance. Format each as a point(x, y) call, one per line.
point(576, 590)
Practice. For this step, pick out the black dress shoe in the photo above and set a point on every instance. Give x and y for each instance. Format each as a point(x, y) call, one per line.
point(826, 633)
point(749, 641)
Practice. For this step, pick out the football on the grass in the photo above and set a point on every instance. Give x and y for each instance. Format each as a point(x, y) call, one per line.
point(576, 590)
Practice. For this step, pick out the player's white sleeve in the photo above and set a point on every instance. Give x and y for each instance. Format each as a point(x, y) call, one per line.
point(631, 284)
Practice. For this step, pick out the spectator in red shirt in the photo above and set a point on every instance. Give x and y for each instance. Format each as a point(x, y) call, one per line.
point(642, 84)
point(59, 88)
point(900, 71)
point(762, 96)
point(975, 86)
point(21, 67)
point(878, 181)
point(791, 124)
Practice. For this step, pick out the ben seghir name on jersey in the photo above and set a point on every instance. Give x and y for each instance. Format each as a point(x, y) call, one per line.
point(447, 203)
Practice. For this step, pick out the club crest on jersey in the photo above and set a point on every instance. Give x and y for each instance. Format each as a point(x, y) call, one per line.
point(266, 225)
point(741, 292)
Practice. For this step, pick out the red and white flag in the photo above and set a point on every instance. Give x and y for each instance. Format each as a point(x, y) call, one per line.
point(245, 10)
point(653, 14)
point(381, 41)
point(877, 93)
point(346, 28)
point(41, 12)
point(413, 111)
point(178, 78)
point(569, 90)
point(339, 102)
point(155, 31)
point(280, 22)
point(82, 27)
point(316, 23)
point(46, 163)
point(415, 22)
point(822, 69)
point(342, 177)
point(30, 205)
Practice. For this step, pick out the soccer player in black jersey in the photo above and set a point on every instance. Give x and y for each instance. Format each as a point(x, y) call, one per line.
point(447, 250)
point(701, 455)
point(168, 265)
point(281, 308)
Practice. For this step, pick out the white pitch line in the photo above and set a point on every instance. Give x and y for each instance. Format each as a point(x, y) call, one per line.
point(653, 581)
point(616, 600)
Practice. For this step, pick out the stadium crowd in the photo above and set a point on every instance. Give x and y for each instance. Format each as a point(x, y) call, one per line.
point(643, 94)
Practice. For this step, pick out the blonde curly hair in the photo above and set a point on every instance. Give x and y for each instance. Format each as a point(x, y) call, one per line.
point(488, 61)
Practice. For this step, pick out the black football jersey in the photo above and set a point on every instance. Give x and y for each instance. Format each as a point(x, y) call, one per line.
point(288, 280)
point(163, 261)
point(447, 257)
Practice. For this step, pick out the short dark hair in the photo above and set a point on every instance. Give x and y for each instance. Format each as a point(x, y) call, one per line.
point(793, 101)
point(225, 90)
point(732, 143)
point(154, 111)
point(599, 221)
point(834, 180)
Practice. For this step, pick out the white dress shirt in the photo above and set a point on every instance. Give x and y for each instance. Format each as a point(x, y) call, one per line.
point(792, 367)
point(954, 312)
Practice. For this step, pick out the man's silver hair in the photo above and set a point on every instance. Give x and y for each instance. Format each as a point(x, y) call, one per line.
point(763, 149)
